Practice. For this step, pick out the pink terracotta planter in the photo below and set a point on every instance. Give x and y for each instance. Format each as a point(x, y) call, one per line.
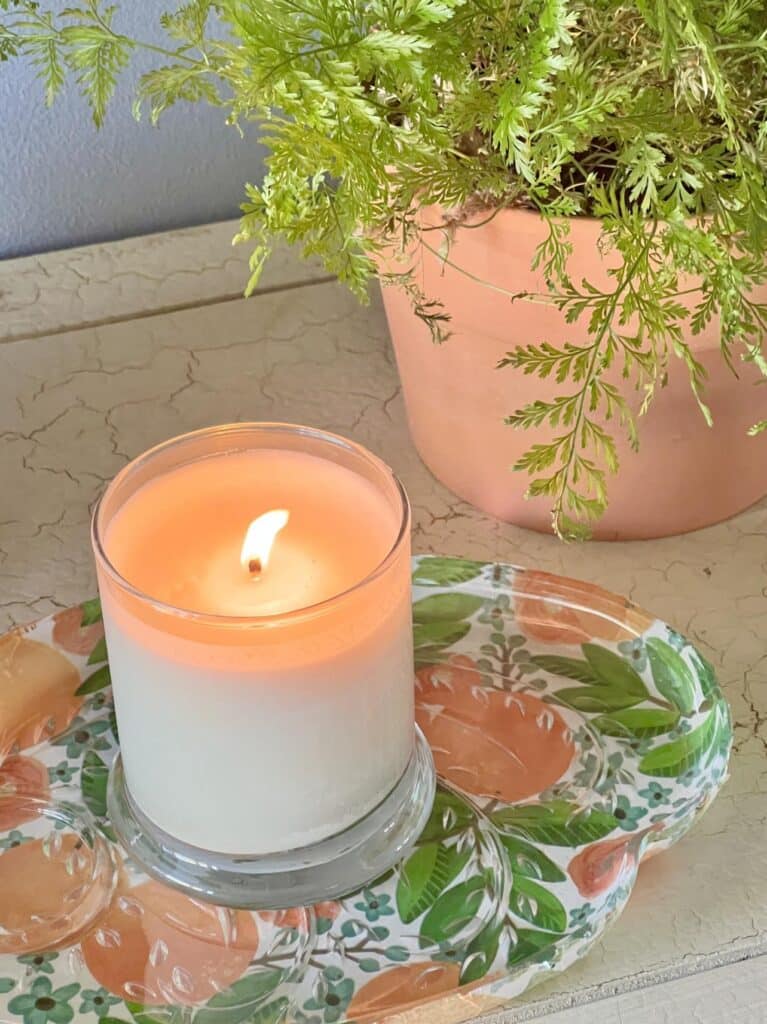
point(685, 475)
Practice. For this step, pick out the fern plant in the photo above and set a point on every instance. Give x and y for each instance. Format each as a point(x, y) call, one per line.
point(649, 114)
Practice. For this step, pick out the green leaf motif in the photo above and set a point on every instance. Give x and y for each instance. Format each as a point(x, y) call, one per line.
point(537, 905)
point(531, 946)
point(431, 654)
point(397, 954)
point(611, 670)
point(99, 680)
point(324, 924)
point(595, 699)
point(425, 875)
point(555, 824)
point(673, 677)
point(453, 910)
point(273, 1013)
point(481, 952)
point(99, 652)
point(351, 928)
point(446, 572)
point(155, 1014)
point(570, 668)
point(241, 999)
point(6, 984)
point(453, 607)
point(450, 813)
point(438, 635)
point(611, 683)
point(528, 861)
point(93, 780)
point(674, 759)
point(637, 723)
point(91, 612)
point(706, 676)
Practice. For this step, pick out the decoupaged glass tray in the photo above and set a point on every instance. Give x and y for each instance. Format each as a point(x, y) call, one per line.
point(573, 735)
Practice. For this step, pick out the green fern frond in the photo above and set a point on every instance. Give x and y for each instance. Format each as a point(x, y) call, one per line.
point(162, 87)
point(95, 53)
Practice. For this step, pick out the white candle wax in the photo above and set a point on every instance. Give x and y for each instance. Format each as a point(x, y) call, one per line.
point(281, 710)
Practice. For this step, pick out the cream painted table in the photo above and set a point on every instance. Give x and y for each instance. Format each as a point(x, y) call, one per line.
point(107, 350)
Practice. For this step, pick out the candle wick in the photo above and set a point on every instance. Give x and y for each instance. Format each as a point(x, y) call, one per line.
point(254, 566)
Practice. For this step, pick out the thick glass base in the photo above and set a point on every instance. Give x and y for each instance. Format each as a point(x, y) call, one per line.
point(326, 870)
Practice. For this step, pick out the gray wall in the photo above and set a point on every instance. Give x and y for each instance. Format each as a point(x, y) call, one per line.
point(64, 183)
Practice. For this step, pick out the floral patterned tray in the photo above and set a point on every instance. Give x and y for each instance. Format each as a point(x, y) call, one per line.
point(573, 736)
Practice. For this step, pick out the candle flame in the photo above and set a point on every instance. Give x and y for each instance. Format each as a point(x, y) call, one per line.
point(259, 539)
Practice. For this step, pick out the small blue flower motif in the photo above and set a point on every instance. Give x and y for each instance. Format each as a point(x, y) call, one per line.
point(498, 575)
point(333, 996)
point(617, 897)
point(98, 1001)
point(448, 953)
point(374, 905)
point(98, 700)
point(655, 794)
point(42, 1003)
point(635, 652)
point(63, 772)
point(13, 838)
point(494, 611)
point(580, 915)
point(626, 815)
point(676, 640)
point(687, 778)
point(640, 747)
point(82, 736)
point(40, 963)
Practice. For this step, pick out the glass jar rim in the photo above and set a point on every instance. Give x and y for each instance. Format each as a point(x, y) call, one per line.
point(251, 621)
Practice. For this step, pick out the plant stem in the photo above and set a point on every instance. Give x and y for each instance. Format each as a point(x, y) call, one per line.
point(557, 510)
point(531, 296)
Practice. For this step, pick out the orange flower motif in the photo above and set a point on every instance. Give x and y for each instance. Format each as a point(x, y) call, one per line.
point(591, 614)
point(490, 742)
point(70, 635)
point(154, 946)
point(598, 867)
point(20, 778)
point(37, 692)
point(402, 988)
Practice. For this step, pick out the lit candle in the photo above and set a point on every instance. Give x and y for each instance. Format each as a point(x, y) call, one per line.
point(255, 585)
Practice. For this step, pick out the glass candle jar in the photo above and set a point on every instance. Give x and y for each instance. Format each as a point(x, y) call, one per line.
point(264, 697)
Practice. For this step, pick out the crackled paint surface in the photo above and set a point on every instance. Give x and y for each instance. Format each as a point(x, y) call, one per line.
point(563, 758)
point(76, 406)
